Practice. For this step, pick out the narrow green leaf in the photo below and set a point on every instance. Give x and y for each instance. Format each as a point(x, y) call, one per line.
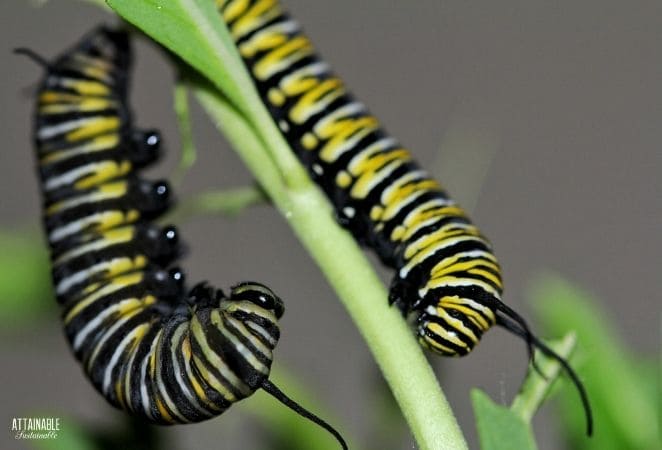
point(193, 30)
point(625, 414)
point(227, 202)
point(499, 428)
point(536, 388)
point(188, 152)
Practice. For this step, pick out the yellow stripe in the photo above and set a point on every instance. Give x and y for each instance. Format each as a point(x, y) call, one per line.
point(340, 132)
point(105, 170)
point(113, 286)
point(85, 87)
point(261, 12)
point(262, 41)
point(444, 334)
point(96, 144)
point(234, 9)
point(316, 99)
point(197, 387)
point(138, 333)
point(279, 58)
point(99, 125)
point(86, 106)
point(437, 237)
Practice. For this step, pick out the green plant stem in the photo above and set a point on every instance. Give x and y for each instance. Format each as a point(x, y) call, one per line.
point(389, 338)
point(536, 388)
point(228, 202)
point(188, 152)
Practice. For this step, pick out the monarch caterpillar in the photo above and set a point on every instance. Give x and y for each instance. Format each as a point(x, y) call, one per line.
point(147, 346)
point(447, 282)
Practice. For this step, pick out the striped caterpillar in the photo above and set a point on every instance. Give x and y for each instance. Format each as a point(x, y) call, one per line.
point(447, 280)
point(146, 345)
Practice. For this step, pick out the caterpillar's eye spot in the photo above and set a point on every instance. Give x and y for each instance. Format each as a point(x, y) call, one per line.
point(259, 295)
point(177, 275)
point(153, 139)
point(272, 303)
point(161, 189)
point(171, 234)
point(267, 302)
point(146, 147)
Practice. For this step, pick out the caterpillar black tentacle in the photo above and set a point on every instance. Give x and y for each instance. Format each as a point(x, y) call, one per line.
point(149, 347)
point(447, 281)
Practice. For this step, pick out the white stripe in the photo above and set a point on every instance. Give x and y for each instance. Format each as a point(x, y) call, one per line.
point(115, 359)
point(68, 178)
point(192, 398)
point(378, 146)
point(74, 227)
point(285, 27)
point(48, 132)
point(106, 335)
point(420, 257)
point(311, 70)
point(144, 397)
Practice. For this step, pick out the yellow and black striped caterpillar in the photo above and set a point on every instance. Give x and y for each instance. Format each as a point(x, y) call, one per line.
point(149, 347)
point(447, 282)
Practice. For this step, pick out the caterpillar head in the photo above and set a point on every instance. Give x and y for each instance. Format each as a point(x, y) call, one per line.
point(453, 325)
point(238, 332)
point(260, 295)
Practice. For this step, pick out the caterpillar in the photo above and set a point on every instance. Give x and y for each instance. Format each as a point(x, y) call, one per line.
point(447, 280)
point(146, 345)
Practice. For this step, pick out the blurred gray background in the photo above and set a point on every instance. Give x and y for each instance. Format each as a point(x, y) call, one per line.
point(567, 96)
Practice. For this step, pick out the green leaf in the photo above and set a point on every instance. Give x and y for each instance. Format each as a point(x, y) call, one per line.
point(625, 414)
point(535, 388)
point(192, 30)
point(71, 436)
point(25, 285)
point(499, 428)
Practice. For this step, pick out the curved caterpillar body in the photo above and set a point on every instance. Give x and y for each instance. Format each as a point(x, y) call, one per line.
point(447, 280)
point(146, 345)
